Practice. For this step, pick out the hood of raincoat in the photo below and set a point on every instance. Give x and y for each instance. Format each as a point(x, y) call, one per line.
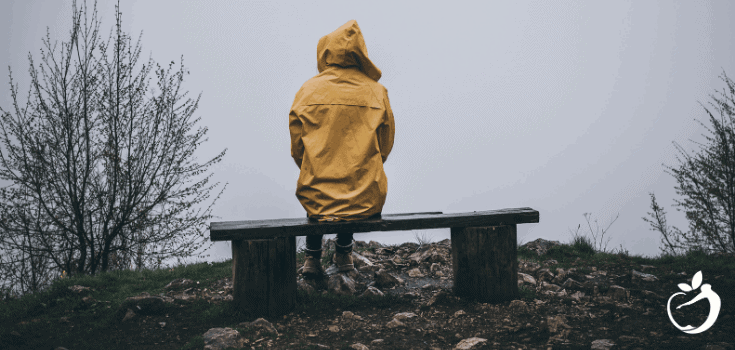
point(342, 131)
point(345, 47)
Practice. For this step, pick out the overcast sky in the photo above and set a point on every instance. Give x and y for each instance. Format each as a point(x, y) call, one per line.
point(565, 107)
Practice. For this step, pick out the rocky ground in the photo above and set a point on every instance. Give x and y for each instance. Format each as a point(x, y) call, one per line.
point(619, 305)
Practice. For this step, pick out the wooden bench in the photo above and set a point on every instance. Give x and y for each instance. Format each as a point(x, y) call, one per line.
point(484, 247)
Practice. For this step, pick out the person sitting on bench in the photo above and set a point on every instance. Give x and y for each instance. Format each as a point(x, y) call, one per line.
point(342, 130)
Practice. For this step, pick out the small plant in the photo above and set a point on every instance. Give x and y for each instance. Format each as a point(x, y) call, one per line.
point(421, 239)
point(581, 242)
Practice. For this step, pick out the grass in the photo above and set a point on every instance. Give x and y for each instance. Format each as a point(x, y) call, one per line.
point(112, 287)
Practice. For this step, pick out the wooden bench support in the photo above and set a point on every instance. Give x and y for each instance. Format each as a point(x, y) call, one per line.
point(264, 275)
point(264, 253)
point(485, 263)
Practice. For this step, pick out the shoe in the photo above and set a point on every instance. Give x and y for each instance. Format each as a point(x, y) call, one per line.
point(343, 261)
point(312, 268)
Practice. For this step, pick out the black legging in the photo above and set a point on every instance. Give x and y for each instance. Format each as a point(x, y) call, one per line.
point(314, 242)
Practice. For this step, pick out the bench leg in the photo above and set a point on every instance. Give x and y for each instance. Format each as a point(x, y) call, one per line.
point(264, 276)
point(485, 263)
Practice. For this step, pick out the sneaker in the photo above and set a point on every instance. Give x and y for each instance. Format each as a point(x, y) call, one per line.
point(343, 261)
point(312, 268)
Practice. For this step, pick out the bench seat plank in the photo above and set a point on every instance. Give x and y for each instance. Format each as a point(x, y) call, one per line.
point(266, 229)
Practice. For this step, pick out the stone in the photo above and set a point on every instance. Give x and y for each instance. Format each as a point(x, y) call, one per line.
point(602, 344)
point(435, 267)
point(78, 289)
point(635, 275)
point(145, 304)
point(432, 255)
point(436, 298)
point(395, 323)
point(222, 338)
point(128, 315)
point(402, 316)
point(616, 292)
point(360, 260)
point(383, 279)
point(557, 323)
point(469, 343)
point(415, 272)
point(540, 246)
point(179, 283)
point(549, 286)
point(341, 284)
point(372, 291)
point(358, 346)
point(545, 275)
point(308, 288)
point(260, 323)
point(526, 278)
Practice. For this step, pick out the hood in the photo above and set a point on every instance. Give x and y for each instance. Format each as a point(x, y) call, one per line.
point(345, 47)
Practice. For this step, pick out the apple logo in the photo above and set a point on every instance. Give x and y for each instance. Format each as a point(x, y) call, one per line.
point(708, 293)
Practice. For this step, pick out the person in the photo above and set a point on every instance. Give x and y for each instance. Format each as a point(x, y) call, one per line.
point(342, 131)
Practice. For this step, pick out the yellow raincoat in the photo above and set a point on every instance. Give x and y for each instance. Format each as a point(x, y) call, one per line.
point(342, 131)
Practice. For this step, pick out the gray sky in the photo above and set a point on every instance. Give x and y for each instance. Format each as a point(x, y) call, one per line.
point(565, 107)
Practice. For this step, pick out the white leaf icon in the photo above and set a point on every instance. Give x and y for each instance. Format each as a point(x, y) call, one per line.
point(685, 287)
point(697, 280)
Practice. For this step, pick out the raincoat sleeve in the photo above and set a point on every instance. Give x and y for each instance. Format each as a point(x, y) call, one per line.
point(295, 127)
point(387, 130)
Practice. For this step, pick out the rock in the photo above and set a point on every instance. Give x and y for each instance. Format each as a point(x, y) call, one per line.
point(557, 323)
point(616, 292)
point(360, 261)
point(402, 316)
point(415, 272)
point(635, 275)
point(518, 305)
point(358, 346)
point(545, 275)
point(571, 284)
point(262, 324)
point(525, 278)
point(348, 315)
point(145, 304)
point(435, 267)
point(179, 283)
point(341, 284)
point(459, 313)
point(78, 289)
point(395, 323)
point(602, 344)
point(222, 338)
point(370, 270)
point(372, 291)
point(469, 343)
point(540, 246)
point(438, 297)
point(333, 328)
point(128, 315)
point(383, 279)
point(432, 255)
point(331, 270)
point(549, 286)
point(377, 341)
point(306, 287)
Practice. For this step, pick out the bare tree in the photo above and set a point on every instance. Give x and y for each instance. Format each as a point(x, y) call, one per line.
point(707, 181)
point(98, 166)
